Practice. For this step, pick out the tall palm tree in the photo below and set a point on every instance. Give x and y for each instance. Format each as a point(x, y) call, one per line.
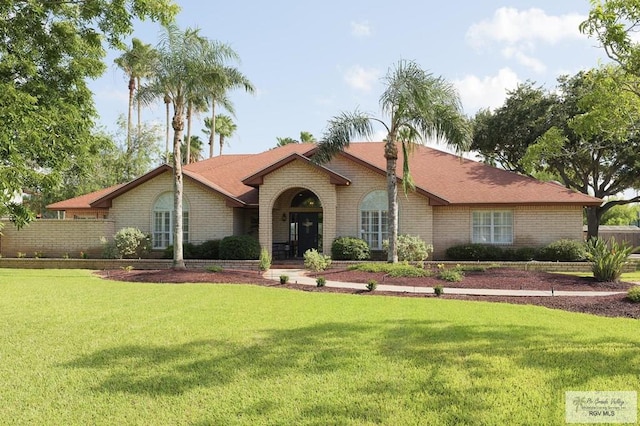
point(195, 104)
point(137, 63)
point(177, 73)
point(225, 128)
point(306, 137)
point(418, 106)
point(195, 150)
point(219, 83)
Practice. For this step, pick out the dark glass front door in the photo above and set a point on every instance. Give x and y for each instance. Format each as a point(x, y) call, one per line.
point(307, 232)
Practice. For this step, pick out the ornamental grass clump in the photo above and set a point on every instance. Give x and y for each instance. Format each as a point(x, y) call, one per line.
point(265, 260)
point(608, 258)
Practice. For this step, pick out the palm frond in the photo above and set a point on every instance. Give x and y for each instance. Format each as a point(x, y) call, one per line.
point(341, 130)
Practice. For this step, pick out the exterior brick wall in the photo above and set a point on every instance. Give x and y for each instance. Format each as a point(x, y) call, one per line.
point(209, 216)
point(533, 226)
point(55, 238)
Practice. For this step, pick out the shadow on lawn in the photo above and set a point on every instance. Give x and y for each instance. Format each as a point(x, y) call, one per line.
point(457, 366)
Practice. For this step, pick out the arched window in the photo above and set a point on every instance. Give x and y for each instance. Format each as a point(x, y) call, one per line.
point(306, 199)
point(163, 219)
point(373, 219)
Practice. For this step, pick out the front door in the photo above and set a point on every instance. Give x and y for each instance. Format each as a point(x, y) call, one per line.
point(307, 232)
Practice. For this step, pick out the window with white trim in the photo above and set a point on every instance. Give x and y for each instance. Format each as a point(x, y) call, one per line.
point(373, 219)
point(492, 227)
point(163, 220)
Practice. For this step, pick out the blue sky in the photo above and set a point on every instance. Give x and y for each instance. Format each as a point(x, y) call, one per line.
point(311, 60)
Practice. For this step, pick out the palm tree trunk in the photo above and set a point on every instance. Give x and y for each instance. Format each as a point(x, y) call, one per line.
point(167, 100)
point(221, 142)
point(391, 154)
point(139, 104)
point(212, 135)
point(178, 128)
point(132, 88)
point(188, 141)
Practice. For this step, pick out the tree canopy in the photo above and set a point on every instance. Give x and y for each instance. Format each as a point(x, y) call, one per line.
point(48, 50)
point(584, 135)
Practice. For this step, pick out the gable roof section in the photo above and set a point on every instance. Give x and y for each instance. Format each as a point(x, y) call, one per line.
point(444, 178)
point(83, 201)
point(456, 180)
point(257, 178)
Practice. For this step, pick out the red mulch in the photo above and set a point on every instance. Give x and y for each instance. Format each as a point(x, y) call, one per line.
point(498, 278)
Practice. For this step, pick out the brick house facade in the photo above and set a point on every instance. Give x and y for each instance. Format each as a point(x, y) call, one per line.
point(291, 204)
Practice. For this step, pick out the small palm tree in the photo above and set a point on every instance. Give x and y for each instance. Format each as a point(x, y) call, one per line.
point(225, 128)
point(419, 106)
point(306, 137)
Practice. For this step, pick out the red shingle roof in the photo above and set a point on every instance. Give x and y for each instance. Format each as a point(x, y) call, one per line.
point(443, 177)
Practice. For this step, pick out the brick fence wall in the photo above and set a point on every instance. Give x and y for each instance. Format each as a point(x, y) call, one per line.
point(55, 238)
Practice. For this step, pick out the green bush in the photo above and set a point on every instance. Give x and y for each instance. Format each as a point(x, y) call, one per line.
point(214, 268)
point(239, 247)
point(321, 281)
point(411, 248)
point(284, 279)
point(452, 275)
point(525, 254)
point(265, 260)
point(634, 294)
point(608, 258)
point(209, 249)
point(131, 243)
point(562, 251)
point(315, 261)
point(438, 290)
point(475, 252)
point(392, 269)
point(372, 285)
point(350, 248)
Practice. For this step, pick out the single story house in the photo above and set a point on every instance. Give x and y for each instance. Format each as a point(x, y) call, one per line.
point(291, 204)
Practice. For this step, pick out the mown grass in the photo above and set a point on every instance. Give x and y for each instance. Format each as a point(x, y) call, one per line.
point(75, 349)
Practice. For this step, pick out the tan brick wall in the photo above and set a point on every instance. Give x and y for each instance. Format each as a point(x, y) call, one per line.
point(294, 175)
point(414, 212)
point(534, 226)
point(55, 238)
point(209, 216)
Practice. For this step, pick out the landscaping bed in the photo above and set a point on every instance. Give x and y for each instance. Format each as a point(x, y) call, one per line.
point(497, 278)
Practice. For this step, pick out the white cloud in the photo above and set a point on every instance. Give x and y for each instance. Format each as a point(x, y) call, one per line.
point(520, 31)
point(360, 78)
point(511, 26)
point(486, 92)
point(524, 59)
point(360, 29)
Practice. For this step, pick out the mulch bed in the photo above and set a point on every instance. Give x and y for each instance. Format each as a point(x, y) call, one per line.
point(498, 278)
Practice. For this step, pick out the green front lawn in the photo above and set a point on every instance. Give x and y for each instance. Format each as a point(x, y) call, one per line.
point(75, 349)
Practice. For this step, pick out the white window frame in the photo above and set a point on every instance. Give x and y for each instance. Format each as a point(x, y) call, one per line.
point(492, 227)
point(374, 218)
point(163, 219)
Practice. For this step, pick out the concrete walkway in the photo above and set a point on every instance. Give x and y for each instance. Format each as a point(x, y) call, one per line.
point(298, 276)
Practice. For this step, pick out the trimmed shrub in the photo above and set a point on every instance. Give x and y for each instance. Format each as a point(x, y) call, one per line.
point(350, 248)
point(265, 260)
point(315, 261)
point(209, 249)
point(525, 254)
point(563, 251)
point(411, 248)
point(634, 294)
point(321, 281)
point(608, 258)
point(284, 279)
point(239, 247)
point(438, 290)
point(131, 243)
point(475, 252)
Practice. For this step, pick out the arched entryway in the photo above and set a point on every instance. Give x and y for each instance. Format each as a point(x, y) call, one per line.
point(297, 223)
